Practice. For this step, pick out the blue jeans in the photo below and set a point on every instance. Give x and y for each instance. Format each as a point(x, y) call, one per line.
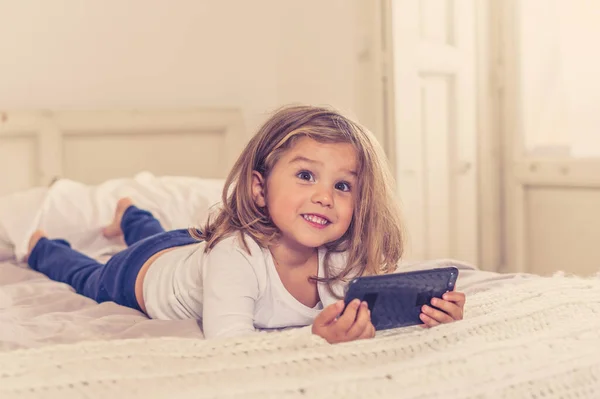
point(114, 281)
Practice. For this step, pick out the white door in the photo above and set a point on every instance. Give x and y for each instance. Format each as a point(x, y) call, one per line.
point(433, 43)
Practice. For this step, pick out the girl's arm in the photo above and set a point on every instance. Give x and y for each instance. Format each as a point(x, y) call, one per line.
point(230, 292)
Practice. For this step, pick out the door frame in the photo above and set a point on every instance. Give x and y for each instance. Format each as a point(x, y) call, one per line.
point(490, 92)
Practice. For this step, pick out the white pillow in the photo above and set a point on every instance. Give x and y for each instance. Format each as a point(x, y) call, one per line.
point(6, 248)
point(17, 213)
point(77, 212)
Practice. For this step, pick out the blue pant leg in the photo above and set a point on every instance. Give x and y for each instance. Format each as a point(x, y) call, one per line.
point(114, 281)
point(138, 224)
point(58, 261)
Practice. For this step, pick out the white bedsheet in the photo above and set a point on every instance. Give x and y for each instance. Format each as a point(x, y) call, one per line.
point(526, 337)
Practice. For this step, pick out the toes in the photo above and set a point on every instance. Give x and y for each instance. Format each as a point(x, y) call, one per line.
point(114, 229)
point(123, 204)
point(111, 231)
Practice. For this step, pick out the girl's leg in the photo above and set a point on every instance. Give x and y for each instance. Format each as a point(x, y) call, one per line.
point(58, 261)
point(133, 223)
point(138, 224)
point(114, 281)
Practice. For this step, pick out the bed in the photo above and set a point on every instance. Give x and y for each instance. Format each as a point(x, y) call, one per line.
point(523, 335)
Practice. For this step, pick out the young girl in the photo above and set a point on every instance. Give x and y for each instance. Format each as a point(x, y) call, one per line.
point(307, 206)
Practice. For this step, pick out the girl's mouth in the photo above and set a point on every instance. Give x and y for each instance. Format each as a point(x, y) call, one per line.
point(316, 221)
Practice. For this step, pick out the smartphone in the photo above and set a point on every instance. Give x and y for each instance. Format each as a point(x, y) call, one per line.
point(395, 300)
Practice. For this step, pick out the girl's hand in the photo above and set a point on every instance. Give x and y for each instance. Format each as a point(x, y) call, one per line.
point(451, 308)
point(354, 324)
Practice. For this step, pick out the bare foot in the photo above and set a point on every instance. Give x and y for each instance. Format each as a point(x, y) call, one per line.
point(35, 237)
point(114, 228)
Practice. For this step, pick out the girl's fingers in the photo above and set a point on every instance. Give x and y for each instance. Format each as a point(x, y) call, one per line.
point(428, 321)
point(329, 314)
point(363, 320)
point(369, 332)
point(437, 315)
point(346, 320)
point(458, 298)
point(451, 308)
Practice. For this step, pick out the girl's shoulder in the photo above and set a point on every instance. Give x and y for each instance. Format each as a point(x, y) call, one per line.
point(239, 243)
point(230, 257)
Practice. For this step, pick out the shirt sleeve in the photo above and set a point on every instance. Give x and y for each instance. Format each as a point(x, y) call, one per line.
point(230, 292)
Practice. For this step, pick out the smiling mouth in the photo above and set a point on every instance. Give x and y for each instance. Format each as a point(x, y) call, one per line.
point(316, 219)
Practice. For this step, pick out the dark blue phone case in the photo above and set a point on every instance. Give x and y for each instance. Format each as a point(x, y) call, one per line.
point(395, 300)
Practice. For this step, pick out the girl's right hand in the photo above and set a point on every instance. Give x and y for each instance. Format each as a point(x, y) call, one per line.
point(354, 323)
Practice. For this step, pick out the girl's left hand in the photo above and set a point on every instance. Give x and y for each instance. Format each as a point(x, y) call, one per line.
point(451, 308)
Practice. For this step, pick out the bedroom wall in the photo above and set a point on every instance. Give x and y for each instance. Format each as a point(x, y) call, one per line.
point(255, 55)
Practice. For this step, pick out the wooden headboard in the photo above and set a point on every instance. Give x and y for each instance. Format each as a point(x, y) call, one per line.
point(93, 146)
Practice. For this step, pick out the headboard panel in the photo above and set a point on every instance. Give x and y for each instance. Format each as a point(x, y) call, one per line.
point(92, 146)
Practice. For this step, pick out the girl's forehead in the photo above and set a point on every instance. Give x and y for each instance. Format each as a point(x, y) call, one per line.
point(306, 143)
point(310, 150)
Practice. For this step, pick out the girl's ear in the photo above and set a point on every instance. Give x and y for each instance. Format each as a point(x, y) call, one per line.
point(258, 189)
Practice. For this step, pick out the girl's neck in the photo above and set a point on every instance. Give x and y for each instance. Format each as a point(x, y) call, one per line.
point(291, 257)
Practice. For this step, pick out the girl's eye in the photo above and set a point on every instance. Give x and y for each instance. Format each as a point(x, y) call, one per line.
point(342, 186)
point(304, 175)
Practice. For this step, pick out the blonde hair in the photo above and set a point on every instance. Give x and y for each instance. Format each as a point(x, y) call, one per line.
point(374, 239)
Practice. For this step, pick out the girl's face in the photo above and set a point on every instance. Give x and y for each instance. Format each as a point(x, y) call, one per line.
point(311, 192)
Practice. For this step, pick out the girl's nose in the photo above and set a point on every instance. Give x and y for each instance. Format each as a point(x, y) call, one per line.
point(322, 196)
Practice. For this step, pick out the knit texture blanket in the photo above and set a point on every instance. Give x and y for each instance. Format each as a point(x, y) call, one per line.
point(536, 339)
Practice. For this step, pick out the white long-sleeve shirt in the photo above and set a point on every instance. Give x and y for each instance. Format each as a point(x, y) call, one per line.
point(231, 291)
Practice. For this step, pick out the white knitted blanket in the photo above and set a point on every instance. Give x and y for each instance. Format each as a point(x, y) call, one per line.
point(539, 339)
